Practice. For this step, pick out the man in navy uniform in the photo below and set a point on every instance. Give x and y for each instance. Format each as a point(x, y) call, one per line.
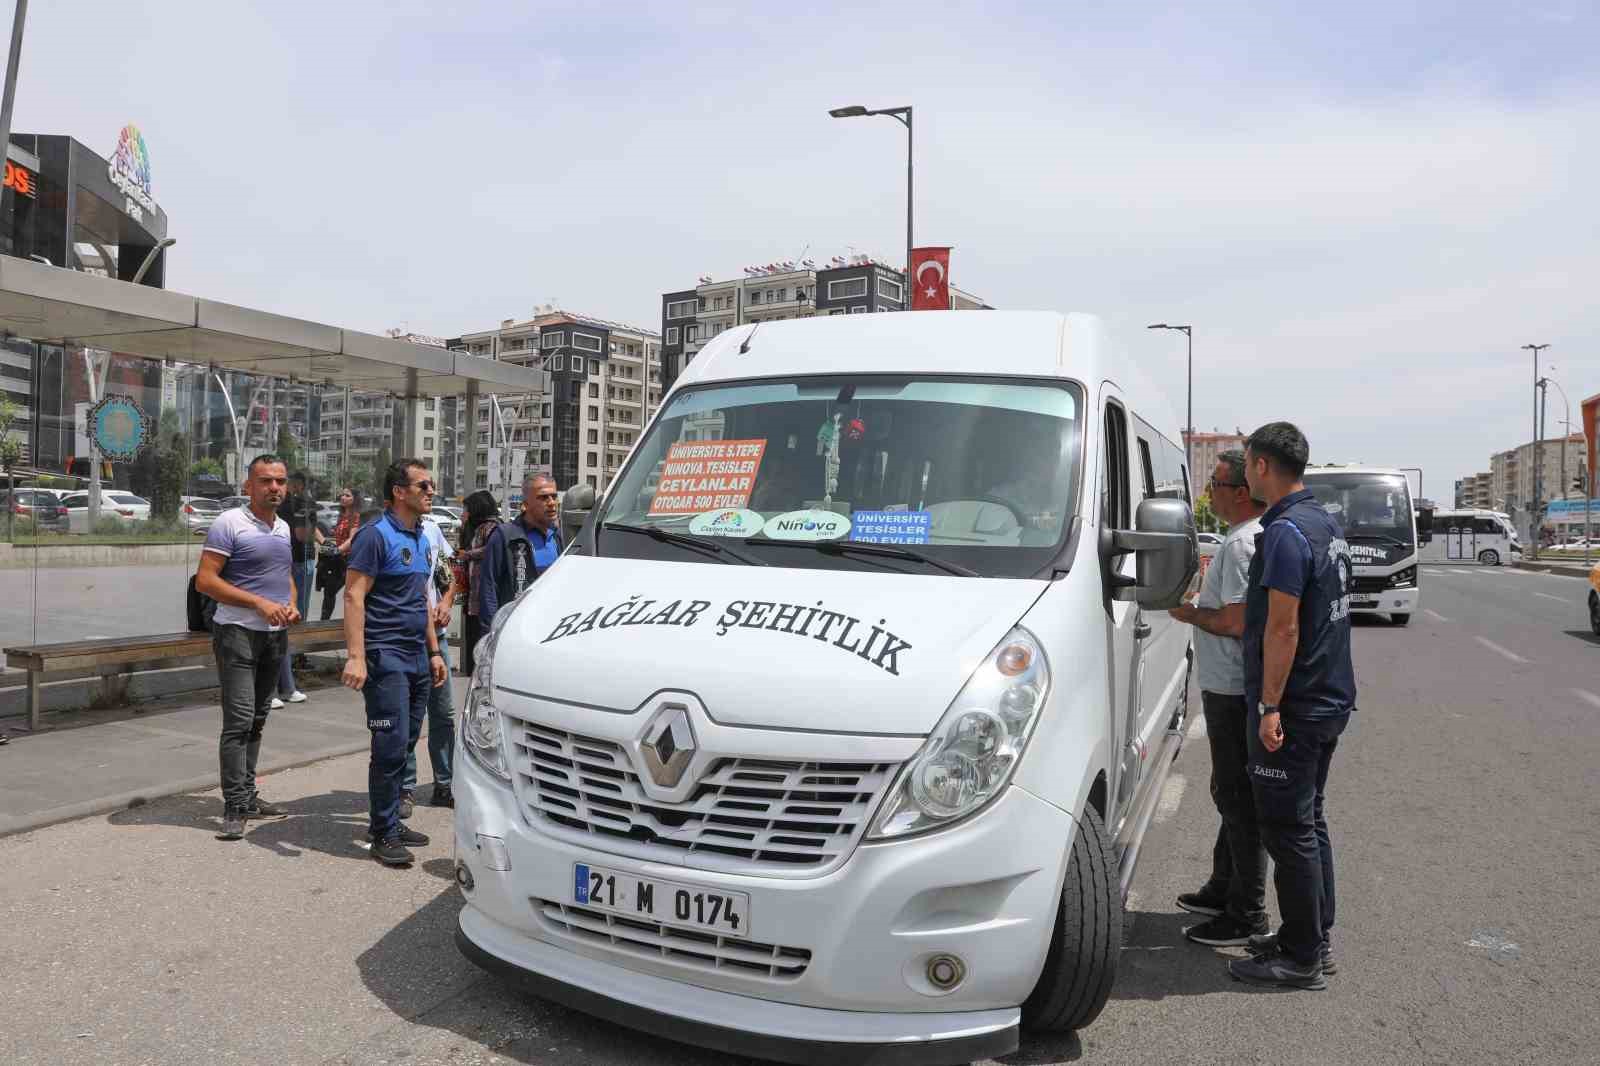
point(394, 657)
point(1301, 688)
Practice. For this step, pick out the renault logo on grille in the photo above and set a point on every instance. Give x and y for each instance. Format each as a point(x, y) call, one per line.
point(668, 747)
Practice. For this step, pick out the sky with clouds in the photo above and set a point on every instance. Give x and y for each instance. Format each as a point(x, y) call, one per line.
point(1363, 209)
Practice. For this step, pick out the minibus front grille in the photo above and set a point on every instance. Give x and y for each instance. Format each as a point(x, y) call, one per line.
point(771, 813)
point(687, 948)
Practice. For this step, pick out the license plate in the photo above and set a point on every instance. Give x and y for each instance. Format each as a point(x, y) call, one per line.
point(667, 902)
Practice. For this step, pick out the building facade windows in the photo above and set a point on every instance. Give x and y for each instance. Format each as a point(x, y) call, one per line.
point(586, 341)
point(890, 289)
point(681, 309)
point(672, 334)
point(845, 288)
point(557, 339)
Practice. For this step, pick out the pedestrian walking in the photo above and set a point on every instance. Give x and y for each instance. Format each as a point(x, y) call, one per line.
point(246, 567)
point(1301, 687)
point(299, 511)
point(518, 551)
point(481, 520)
point(394, 658)
point(1235, 894)
point(441, 699)
point(331, 560)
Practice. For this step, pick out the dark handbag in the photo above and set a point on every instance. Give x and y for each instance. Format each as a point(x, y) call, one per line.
point(330, 570)
point(201, 609)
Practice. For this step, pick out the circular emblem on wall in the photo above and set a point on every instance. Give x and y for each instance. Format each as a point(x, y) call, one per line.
point(120, 428)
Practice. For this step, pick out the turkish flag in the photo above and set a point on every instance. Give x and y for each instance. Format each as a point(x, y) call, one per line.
point(930, 279)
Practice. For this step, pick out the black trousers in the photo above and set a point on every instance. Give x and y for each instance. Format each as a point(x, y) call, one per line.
point(1289, 785)
point(471, 633)
point(1239, 860)
point(247, 670)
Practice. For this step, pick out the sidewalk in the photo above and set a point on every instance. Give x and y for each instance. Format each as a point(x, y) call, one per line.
point(1561, 568)
point(90, 762)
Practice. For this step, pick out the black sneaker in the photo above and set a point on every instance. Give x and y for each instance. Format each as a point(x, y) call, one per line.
point(442, 797)
point(1278, 970)
point(393, 853)
point(1268, 942)
point(1224, 932)
point(232, 824)
point(260, 808)
point(407, 836)
point(1203, 902)
point(408, 804)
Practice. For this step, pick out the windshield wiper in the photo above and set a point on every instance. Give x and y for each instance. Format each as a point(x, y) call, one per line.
point(682, 540)
point(833, 547)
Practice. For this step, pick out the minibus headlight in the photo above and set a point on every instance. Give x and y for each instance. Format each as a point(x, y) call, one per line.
point(480, 721)
point(977, 744)
point(1403, 579)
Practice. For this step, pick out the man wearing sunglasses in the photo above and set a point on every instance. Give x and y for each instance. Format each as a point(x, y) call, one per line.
point(518, 551)
point(394, 656)
point(1235, 897)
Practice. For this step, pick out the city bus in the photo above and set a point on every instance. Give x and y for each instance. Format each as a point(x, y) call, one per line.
point(1468, 536)
point(1374, 506)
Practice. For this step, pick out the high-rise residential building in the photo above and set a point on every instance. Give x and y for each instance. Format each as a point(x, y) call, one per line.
point(1512, 473)
point(601, 384)
point(1203, 449)
point(1477, 490)
point(852, 285)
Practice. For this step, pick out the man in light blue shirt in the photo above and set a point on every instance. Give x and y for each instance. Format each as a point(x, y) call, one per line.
point(1235, 897)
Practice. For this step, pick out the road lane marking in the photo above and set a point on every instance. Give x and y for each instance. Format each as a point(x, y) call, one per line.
point(1492, 646)
point(1171, 796)
point(1435, 614)
point(1469, 573)
point(1588, 697)
point(1547, 596)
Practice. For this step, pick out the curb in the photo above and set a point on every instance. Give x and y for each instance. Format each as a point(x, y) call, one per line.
point(11, 826)
point(1555, 569)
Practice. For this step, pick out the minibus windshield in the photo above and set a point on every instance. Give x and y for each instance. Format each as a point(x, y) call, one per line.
point(1367, 505)
point(980, 474)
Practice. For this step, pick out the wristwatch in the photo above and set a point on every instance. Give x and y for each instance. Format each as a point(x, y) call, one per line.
point(1266, 708)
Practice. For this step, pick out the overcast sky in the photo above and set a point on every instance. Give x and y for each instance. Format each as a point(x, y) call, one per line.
point(1363, 209)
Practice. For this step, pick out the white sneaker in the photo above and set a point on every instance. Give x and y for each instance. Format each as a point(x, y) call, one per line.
point(277, 704)
point(297, 696)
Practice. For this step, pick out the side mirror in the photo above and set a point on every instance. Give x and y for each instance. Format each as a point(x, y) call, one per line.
point(576, 503)
point(1424, 525)
point(1167, 552)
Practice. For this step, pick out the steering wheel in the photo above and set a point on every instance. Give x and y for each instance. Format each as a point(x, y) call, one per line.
point(1022, 522)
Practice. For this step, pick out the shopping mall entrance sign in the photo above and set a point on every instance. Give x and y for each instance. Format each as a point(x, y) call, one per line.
point(129, 169)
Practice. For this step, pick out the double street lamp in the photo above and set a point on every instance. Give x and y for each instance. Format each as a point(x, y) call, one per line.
point(1188, 433)
point(901, 115)
point(1538, 454)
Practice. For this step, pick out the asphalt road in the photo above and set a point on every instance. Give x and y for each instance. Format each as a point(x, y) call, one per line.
point(1462, 801)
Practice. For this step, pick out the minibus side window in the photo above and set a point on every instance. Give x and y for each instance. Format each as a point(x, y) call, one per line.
point(1114, 510)
point(1148, 468)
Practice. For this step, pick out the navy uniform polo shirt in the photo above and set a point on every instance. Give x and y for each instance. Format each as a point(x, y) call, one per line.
point(400, 563)
point(1301, 551)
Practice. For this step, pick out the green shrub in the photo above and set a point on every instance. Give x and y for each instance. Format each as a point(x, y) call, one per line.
point(111, 526)
point(22, 526)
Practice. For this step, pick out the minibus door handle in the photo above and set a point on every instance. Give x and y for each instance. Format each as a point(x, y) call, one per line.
point(1141, 630)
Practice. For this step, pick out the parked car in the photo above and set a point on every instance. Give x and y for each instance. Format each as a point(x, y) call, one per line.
point(449, 523)
point(41, 505)
point(197, 513)
point(113, 504)
point(229, 502)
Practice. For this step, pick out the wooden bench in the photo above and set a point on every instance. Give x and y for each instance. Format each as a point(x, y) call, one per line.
point(115, 659)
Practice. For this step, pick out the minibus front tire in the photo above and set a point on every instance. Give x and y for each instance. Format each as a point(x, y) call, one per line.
point(1082, 961)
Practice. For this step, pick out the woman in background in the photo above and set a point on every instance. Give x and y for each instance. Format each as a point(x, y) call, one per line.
point(330, 565)
point(481, 518)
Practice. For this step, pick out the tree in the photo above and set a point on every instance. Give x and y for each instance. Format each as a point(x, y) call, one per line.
point(172, 472)
point(380, 467)
point(1205, 520)
point(207, 467)
point(10, 452)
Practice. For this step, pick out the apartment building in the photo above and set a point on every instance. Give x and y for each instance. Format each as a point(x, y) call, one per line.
point(1512, 472)
point(854, 285)
point(1203, 449)
point(1477, 490)
point(601, 383)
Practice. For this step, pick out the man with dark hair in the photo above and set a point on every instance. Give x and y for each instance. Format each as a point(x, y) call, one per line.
point(520, 550)
point(245, 568)
point(1301, 688)
point(394, 657)
point(1235, 895)
point(299, 512)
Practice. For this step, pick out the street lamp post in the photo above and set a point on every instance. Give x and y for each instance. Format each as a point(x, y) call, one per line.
point(901, 115)
point(1188, 433)
point(1538, 466)
point(166, 242)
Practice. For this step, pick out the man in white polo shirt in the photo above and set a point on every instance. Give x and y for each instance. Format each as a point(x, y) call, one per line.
point(245, 567)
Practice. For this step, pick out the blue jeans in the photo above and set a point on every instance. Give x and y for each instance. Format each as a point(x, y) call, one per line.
point(305, 574)
point(396, 696)
point(441, 730)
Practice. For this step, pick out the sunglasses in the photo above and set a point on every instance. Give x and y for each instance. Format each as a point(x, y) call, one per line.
point(425, 487)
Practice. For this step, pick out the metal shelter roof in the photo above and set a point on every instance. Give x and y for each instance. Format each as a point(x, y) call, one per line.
point(56, 306)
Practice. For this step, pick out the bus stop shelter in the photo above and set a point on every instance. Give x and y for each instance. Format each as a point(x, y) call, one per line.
point(51, 305)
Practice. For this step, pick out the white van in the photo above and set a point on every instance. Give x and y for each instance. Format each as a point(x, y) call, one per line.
point(837, 739)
